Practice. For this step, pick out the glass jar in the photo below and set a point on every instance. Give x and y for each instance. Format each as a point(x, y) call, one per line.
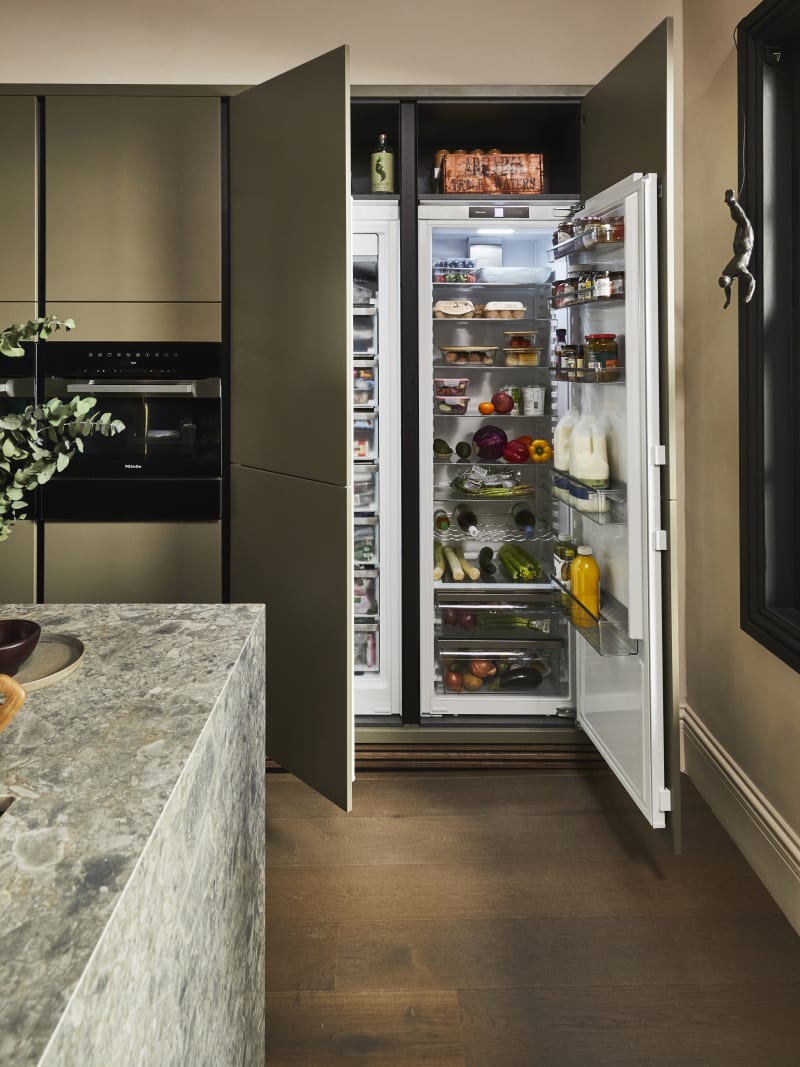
point(602, 356)
point(567, 291)
point(617, 284)
point(602, 285)
point(568, 364)
point(585, 286)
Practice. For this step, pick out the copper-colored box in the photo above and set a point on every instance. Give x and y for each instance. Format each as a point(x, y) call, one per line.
point(495, 172)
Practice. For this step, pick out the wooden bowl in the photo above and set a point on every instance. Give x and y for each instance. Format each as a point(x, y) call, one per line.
point(18, 639)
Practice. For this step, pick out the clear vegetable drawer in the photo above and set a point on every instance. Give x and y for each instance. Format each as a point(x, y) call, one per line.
point(494, 616)
point(501, 668)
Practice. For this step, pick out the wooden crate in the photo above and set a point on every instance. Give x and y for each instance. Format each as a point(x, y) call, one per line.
point(471, 172)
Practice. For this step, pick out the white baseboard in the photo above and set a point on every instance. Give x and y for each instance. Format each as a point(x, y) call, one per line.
point(769, 844)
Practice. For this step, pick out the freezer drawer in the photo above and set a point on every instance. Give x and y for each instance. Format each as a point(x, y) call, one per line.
point(365, 487)
point(366, 650)
point(365, 593)
point(365, 540)
point(476, 666)
point(365, 436)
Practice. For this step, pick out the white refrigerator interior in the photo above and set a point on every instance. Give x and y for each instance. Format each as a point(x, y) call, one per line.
point(556, 314)
point(376, 461)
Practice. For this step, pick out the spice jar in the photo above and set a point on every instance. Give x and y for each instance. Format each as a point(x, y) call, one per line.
point(617, 284)
point(570, 356)
point(585, 286)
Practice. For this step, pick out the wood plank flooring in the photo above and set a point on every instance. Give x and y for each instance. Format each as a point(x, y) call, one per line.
point(523, 919)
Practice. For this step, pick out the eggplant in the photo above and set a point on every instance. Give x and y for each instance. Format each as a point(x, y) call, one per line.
point(518, 679)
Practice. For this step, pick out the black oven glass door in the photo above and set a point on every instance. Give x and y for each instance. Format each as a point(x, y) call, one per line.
point(172, 429)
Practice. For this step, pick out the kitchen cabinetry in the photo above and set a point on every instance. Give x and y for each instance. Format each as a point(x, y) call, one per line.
point(133, 215)
point(18, 208)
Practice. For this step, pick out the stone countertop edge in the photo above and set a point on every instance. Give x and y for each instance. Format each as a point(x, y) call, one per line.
point(91, 763)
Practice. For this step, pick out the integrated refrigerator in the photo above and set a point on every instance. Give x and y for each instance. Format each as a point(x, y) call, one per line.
point(512, 309)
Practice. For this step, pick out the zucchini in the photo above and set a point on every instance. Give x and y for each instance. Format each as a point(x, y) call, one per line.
point(455, 566)
point(438, 560)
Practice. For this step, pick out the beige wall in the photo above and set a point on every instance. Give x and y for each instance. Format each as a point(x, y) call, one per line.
point(746, 697)
point(242, 42)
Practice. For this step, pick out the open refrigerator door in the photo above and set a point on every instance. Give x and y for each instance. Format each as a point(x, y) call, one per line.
point(613, 388)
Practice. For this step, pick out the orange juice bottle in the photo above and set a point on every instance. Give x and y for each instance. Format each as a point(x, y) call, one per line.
point(585, 580)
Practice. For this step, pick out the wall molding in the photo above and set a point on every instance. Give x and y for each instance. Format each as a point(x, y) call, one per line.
point(769, 844)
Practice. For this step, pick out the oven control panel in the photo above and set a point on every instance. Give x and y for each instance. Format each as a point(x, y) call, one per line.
point(98, 359)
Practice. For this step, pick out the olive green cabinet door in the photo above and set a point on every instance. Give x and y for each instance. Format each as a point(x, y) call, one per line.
point(133, 203)
point(291, 421)
point(18, 202)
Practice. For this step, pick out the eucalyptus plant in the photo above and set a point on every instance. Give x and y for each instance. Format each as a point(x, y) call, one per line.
point(41, 440)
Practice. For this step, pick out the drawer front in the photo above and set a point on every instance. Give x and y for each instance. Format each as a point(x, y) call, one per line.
point(473, 666)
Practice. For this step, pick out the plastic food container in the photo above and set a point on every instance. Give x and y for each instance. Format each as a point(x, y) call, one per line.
point(450, 386)
point(504, 309)
point(365, 486)
point(460, 356)
point(451, 405)
point(522, 357)
point(520, 338)
point(453, 309)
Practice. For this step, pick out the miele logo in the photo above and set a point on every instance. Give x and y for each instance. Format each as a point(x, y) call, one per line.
point(133, 467)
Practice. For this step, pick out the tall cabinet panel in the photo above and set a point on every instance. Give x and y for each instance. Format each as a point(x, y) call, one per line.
point(18, 202)
point(133, 199)
point(291, 435)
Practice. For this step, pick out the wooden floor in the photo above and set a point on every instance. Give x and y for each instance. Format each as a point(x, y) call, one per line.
point(518, 920)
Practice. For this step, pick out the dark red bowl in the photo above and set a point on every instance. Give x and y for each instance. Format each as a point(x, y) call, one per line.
point(18, 639)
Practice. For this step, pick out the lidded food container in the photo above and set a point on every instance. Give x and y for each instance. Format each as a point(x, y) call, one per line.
point(522, 357)
point(504, 309)
point(467, 354)
point(520, 338)
point(453, 309)
point(450, 386)
point(451, 405)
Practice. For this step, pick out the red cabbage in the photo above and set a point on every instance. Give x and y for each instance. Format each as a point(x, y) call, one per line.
point(489, 442)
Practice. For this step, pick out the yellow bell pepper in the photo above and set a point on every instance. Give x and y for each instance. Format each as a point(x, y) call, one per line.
point(540, 451)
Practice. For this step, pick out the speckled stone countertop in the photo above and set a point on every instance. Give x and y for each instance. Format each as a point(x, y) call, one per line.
point(96, 764)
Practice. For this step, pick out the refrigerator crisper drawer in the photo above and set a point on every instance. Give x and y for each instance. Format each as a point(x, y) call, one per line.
point(476, 667)
point(365, 647)
point(493, 616)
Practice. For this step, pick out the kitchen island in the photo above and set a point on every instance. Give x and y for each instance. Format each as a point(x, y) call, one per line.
point(132, 843)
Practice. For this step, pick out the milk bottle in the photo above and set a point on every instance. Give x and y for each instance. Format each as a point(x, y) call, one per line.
point(561, 436)
point(588, 462)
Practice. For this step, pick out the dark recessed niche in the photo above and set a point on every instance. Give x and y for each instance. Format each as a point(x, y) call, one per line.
point(551, 127)
point(368, 118)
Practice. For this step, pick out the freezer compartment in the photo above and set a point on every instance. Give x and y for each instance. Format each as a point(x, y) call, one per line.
point(510, 615)
point(365, 487)
point(479, 667)
point(365, 592)
point(366, 647)
point(365, 540)
point(365, 384)
point(365, 436)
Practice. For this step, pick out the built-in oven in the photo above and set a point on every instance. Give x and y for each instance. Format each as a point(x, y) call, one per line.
point(167, 462)
point(138, 516)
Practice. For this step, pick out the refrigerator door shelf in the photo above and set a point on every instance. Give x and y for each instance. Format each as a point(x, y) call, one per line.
point(607, 634)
